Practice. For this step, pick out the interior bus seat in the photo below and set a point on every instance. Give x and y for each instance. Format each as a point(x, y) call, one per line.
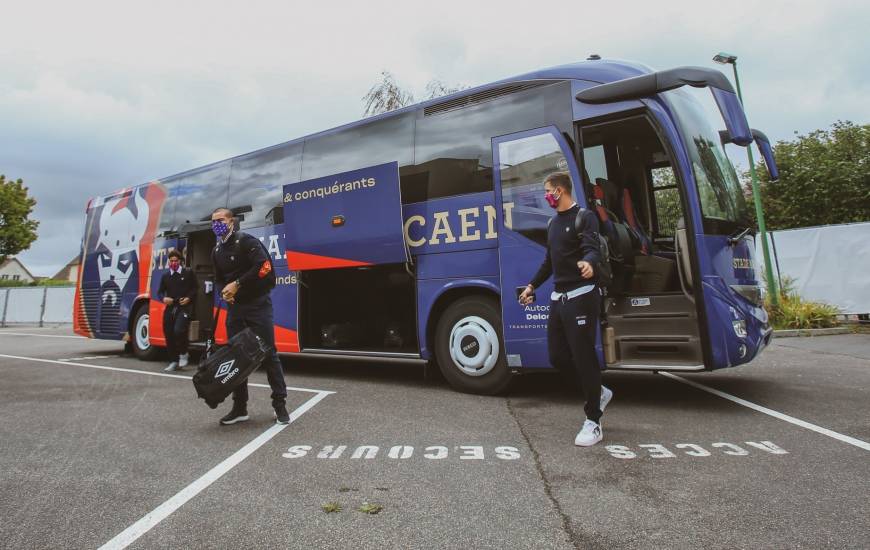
point(630, 217)
point(619, 236)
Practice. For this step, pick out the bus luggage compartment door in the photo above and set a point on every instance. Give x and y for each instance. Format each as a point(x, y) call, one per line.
point(345, 220)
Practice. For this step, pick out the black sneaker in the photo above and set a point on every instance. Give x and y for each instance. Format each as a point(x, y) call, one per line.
point(238, 414)
point(281, 416)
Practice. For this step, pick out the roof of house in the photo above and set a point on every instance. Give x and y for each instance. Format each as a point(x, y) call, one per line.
point(65, 270)
point(21, 265)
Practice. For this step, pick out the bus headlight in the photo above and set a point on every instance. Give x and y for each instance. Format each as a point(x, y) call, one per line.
point(739, 328)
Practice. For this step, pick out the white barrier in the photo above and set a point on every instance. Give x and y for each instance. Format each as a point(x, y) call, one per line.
point(36, 305)
point(828, 264)
point(59, 304)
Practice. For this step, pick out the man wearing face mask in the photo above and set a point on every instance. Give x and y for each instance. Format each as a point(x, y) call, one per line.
point(177, 291)
point(245, 276)
point(573, 257)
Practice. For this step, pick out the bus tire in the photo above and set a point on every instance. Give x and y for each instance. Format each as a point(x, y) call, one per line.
point(469, 347)
point(142, 348)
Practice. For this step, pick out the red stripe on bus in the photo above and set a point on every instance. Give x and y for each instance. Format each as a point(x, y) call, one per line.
point(299, 261)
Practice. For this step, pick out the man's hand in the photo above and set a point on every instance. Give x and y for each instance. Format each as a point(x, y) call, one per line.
point(527, 296)
point(229, 292)
point(184, 301)
point(168, 301)
point(586, 270)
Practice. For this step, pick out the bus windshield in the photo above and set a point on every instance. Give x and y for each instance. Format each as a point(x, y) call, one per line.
point(723, 205)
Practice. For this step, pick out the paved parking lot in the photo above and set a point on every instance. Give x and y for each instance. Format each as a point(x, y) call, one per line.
point(101, 449)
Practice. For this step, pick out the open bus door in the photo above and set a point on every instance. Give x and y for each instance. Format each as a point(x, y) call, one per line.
point(524, 160)
point(344, 236)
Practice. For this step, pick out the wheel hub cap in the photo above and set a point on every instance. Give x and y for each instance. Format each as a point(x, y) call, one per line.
point(474, 346)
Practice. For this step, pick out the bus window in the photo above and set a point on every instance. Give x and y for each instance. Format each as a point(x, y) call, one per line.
point(523, 165)
point(666, 197)
point(257, 179)
point(378, 142)
point(199, 192)
point(453, 149)
point(593, 158)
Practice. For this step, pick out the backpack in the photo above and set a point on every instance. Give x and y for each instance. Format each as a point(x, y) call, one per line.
point(604, 270)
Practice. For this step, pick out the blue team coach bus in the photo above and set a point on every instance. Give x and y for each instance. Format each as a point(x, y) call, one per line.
point(406, 235)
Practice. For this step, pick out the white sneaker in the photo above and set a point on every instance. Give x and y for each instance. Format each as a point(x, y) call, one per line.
point(183, 360)
point(589, 435)
point(606, 396)
point(173, 366)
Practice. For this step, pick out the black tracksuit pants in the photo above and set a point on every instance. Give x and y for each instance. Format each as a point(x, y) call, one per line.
point(571, 332)
point(257, 315)
point(176, 319)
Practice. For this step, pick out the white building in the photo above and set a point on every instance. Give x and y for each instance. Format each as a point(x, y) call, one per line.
point(13, 270)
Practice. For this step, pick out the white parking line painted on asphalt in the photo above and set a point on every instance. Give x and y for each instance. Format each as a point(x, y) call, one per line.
point(136, 371)
point(88, 358)
point(770, 412)
point(4, 333)
point(149, 520)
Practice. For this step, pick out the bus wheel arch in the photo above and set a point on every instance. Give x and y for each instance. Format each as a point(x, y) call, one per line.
point(139, 331)
point(464, 333)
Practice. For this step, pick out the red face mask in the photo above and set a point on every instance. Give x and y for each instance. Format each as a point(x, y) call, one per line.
point(174, 264)
point(551, 200)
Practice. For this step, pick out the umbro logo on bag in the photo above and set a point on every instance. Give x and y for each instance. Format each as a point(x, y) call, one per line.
point(224, 368)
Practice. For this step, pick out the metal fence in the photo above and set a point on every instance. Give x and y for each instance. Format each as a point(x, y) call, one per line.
point(32, 305)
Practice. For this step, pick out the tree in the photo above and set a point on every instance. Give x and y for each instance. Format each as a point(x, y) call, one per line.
point(386, 95)
point(17, 232)
point(824, 178)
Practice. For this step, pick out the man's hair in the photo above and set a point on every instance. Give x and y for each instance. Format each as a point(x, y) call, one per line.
point(223, 210)
point(559, 179)
point(173, 253)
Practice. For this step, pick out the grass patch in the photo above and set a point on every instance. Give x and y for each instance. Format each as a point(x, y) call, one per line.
point(331, 507)
point(795, 312)
point(368, 508)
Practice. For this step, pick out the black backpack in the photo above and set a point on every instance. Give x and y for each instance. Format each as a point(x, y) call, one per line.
point(603, 269)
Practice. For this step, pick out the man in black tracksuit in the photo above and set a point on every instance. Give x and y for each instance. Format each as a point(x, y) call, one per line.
point(177, 291)
point(573, 260)
point(245, 275)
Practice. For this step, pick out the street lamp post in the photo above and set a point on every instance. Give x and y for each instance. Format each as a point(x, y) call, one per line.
point(729, 59)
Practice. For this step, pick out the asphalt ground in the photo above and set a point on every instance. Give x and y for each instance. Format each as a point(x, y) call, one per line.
point(91, 456)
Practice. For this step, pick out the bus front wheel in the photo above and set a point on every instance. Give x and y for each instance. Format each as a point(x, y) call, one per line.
point(469, 348)
point(142, 347)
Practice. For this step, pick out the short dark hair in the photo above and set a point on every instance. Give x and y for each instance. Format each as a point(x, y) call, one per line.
point(173, 253)
point(559, 179)
point(223, 210)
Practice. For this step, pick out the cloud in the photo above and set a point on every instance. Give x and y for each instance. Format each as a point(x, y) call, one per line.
point(99, 95)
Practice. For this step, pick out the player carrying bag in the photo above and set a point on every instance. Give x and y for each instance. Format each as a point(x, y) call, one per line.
point(224, 369)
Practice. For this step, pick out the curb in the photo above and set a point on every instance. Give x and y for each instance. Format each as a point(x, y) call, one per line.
point(791, 333)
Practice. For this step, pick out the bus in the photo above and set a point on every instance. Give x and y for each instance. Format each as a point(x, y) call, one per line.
point(407, 234)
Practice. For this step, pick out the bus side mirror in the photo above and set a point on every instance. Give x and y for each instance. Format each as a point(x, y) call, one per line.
point(767, 152)
point(764, 148)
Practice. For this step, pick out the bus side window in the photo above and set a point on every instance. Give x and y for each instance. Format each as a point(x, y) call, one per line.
point(257, 180)
point(595, 164)
point(199, 192)
point(666, 198)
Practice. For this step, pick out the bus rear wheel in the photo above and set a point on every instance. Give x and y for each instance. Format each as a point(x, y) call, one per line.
point(142, 347)
point(469, 348)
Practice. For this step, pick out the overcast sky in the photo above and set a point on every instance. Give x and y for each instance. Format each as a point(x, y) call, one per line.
point(95, 96)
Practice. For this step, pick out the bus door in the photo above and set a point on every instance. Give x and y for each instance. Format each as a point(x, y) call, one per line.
point(344, 237)
point(524, 160)
point(199, 242)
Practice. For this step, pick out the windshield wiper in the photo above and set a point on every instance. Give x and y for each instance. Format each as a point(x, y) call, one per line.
point(738, 237)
